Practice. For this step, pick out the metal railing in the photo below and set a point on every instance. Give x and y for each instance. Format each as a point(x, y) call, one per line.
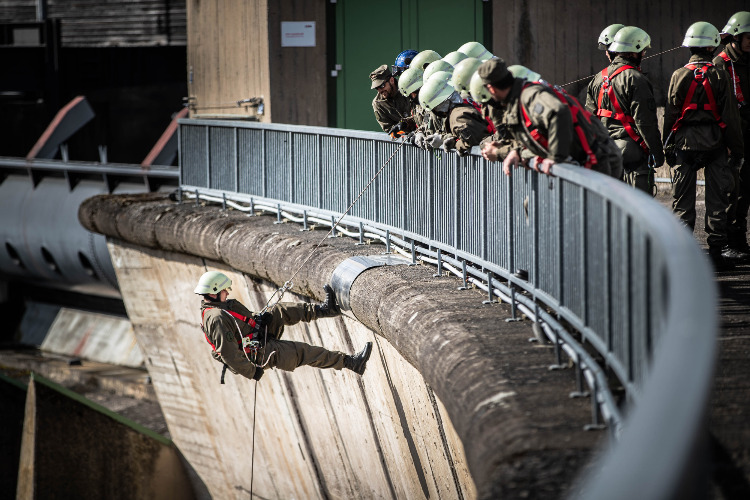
point(589, 260)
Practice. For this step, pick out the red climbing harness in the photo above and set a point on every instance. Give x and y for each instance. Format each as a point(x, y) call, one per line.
point(735, 78)
point(576, 111)
point(244, 319)
point(626, 120)
point(699, 73)
point(490, 126)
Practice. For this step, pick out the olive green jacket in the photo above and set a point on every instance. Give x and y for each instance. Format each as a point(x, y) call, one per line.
point(466, 125)
point(388, 112)
point(552, 119)
point(699, 130)
point(223, 330)
point(635, 95)
point(494, 112)
point(741, 64)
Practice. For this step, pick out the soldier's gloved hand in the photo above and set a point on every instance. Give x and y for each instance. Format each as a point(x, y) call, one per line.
point(262, 320)
point(434, 141)
point(399, 127)
point(258, 373)
point(419, 139)
point(448, 144)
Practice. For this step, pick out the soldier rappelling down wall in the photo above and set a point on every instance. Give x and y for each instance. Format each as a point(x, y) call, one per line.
point(246, 342)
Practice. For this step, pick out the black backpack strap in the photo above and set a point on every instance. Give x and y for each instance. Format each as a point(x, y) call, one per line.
point(223, 372)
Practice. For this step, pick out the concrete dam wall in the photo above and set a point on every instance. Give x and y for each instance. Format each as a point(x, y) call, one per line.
point(455, 403)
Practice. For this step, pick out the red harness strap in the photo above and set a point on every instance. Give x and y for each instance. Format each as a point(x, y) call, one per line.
point(576, 111)
point(699, 72)
point(244, 319)
point(735, 78)
point(475, 105)
point(626, 120)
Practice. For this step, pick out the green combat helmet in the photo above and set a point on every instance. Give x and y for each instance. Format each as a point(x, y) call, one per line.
point(608, 35)
point(630, 39)
point(475, 50)
point(410, 81)
point(737, 24)
point(424, 58)
point(478, 91)
point(454, 58)
point(212, 282)
point(701, 34)
point(524, 73)
point(434, 67)
point(434, 92)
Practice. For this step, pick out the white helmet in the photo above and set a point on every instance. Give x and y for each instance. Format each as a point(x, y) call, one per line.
point(212, 282)
point(630, 39)
point(524, 73)
point(475, 50)
point(463, 72)
point(455, 57)
point(478, 91)
point(701, 34)
point(608, 35)
point(434, 67)
point(424, 58)
point(435, 91)
point(410, 81)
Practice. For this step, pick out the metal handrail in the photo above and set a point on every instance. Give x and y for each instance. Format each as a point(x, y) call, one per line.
point(607, 260)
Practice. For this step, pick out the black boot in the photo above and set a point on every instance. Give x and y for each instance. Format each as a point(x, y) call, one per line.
point(733, 255)
point(328, 307)
point(358, 362)
point(718, 260)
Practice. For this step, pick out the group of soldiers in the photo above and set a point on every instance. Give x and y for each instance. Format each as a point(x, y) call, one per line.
point(472, 98)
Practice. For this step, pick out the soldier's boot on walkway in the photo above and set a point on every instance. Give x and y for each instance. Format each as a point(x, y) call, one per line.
point(733, 255)
point(358, 362)
point(328, 307)
point(738, 243)
point(716, 254)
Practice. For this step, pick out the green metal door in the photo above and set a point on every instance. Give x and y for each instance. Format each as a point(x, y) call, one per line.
point(369, 34)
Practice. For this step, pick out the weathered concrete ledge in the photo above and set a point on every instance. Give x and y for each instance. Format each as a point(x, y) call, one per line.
point(522, 435)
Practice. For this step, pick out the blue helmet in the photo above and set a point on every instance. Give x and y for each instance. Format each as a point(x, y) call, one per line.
point(403, 60)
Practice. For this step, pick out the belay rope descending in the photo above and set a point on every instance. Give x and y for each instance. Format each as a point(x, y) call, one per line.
point(288, 285)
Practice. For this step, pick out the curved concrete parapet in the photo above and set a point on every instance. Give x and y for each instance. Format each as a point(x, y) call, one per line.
point(451, 390)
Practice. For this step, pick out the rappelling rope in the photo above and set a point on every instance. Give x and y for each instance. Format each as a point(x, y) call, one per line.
point(647, 57)
point(290, 283)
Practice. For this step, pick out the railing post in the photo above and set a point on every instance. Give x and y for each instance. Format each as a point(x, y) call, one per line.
point(465, 285)
point(490, 294)
point(333, 227)
point(439, 264)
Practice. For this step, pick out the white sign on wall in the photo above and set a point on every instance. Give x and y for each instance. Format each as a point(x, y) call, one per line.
point(298, 34)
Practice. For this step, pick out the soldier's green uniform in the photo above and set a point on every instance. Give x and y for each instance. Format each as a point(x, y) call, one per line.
point(700, 142)
point(635, 97)
point(738, 68)
point(465, 124)
point(388, 112)
point(392, 109)
point(494, 111)
point(223, 332)
point(553, 120)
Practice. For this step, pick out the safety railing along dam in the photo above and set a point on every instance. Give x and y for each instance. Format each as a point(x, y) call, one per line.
point(605, 273)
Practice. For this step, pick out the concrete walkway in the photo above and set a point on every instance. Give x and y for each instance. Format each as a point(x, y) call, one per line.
point(729, 418)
